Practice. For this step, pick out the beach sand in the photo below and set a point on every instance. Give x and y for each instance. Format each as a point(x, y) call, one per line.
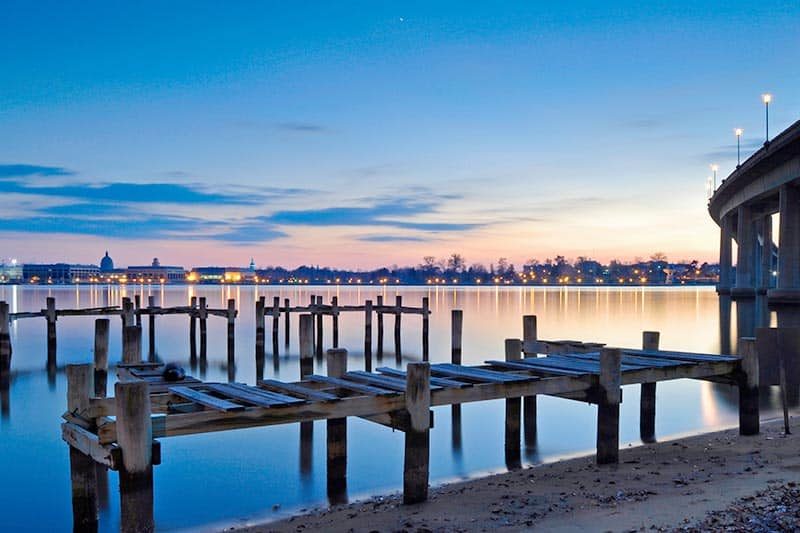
point(668, 485)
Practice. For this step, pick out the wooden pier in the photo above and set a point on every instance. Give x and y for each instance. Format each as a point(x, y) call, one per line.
point(120, 432)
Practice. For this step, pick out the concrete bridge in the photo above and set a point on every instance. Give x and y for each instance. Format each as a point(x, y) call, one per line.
point(766, 183)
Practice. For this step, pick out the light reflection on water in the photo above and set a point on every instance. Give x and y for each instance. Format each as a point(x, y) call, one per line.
point(228, 476)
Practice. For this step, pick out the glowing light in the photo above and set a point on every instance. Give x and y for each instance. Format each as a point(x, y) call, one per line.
point(738, 132)
point(766, 98)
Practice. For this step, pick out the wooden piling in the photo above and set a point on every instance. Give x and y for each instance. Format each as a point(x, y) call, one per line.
point(456, 327)
point(513, 410)
point(312, 309)
point(151, 329)
point(748, 387)
point(202, 315)
point(286, 325)
point(231, 317)
point(529, 339)
point(83, 475)
point(101, 333)
point(260, 333)
point(647, 404)
point(276, 315)
point(368, 335)
point(398, 315)
point(193, 330)
point(425, 327)
point(132, 344)
point(609, 398)
point(5, 340)
point(135, 438)
point(319, 327)
point(137, 299)
point(379, 348)
point(50, 315)
point(335, 320)
point(306, 336)
point(417, 436)
point(336, 440)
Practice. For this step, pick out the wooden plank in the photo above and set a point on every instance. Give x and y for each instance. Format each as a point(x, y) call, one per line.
point(386, 382)
point(205, 399)
point(439, 382)
point(634, 360)
point(477, 374)
point(533, 367)
point(252, 395)
point(87, 443)
point(569, 359)
point(299, 390)
point(350, 385)
point(680, 356)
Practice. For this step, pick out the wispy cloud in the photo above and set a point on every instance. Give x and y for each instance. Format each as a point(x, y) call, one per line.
point(392, 238)
point(19, 170)
point(728, 151)
point(301, 127)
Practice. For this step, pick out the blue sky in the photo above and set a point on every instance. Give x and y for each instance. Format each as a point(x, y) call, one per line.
point(363, 134)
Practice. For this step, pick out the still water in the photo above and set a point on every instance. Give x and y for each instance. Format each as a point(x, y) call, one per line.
point(246, 475)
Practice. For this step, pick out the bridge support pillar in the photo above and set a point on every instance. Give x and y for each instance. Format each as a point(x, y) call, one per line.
point(725, 255)
point(788, 286)
point(746, 257)
point(765, 268)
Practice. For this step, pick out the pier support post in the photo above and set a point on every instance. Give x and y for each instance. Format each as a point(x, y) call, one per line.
point(398, 316)
point(151, 329)
point(5, 341)
point(50, 315)
point(608, 406)
point(231, 317)
point(135, 438)
point(203, 316)
point(529, 347)
point(193, 331)
point(380, 327)
point(286, 325)
point(417, 437)
point(101, 330)
point(647, 403)
point(319, 332)
point(336, 439)
point(748, 387)
point(137, 305)
point(368, 335)
point(335, 320)
point(456, 324)
point(425, 327)
point(132, 344)
point(312, 309)
point(306, 336)
point(513, 411)
point(83, 473)
point(276, 317)
point(260, 333)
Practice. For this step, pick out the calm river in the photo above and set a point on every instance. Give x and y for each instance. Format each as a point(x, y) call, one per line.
point(241, 476)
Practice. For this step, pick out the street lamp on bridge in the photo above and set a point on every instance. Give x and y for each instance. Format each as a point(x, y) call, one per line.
point(738, 132)
point(714, 168)
point(766, 98)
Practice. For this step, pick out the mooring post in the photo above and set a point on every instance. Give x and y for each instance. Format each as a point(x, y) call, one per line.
point(306, 336)
point(276, 316)
point(647, 406)
point(529, 339)
point(426, 310)
point(417, 435)
point(151, 328)
point(312, 306)
point(83, 473)
point(609, 398)
point(513, 409)
point(379, 348)
point(335, 320)
point(5, 340)
point(398, 316)
point(260, 333)
point(456, 324)
point(337, 436)
point(286, 325)
point(137, 299)
point(135, 439)
point(50, 315)
point(203, 316)
point(319, 327)
point(368, 335)
point(231, 316)
point(132, 345)
point(101, 329)
point(193, 330)
point(748, 387)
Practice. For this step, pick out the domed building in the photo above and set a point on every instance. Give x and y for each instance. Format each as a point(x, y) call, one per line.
point(106, 263)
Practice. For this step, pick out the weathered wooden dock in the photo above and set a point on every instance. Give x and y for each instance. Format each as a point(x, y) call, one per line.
point(120, 432)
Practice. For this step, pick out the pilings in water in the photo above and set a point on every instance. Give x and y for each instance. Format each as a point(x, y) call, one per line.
point(609, 399)
point(276, 314)
point(748, 387)
point(456, 328)
point(193, 331)
point(416, 463)
point(513, 348)
point(231, 318)
point(5, 342)
point(398, 315)
point(529, 338)
point(647, 403)
point(336, 436)
point(101, 338)
point(368, 335)
point(379, 348)
point(202, 316)
point(260, 337)
point(151, 329)
point(83, 474)
point(51, 317)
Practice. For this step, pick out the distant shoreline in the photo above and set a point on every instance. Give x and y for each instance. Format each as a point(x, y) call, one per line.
point(410, 285)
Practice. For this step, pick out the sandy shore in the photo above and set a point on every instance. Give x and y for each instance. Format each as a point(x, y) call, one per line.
point(691, 483)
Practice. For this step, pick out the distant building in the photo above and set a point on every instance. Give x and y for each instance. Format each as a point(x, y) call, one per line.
point(106, 263)
point(59, 273)
point(215, 274)
point(155, 273)
point(10, 272)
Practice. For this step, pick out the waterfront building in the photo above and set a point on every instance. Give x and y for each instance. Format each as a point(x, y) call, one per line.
point(155, 273)
point(10, 272)
point(106, 263)
point(59, 273)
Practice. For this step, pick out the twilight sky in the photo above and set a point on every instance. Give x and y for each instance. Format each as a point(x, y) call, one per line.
point(370, 133)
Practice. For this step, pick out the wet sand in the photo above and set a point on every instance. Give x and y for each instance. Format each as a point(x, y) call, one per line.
point(668, 485)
